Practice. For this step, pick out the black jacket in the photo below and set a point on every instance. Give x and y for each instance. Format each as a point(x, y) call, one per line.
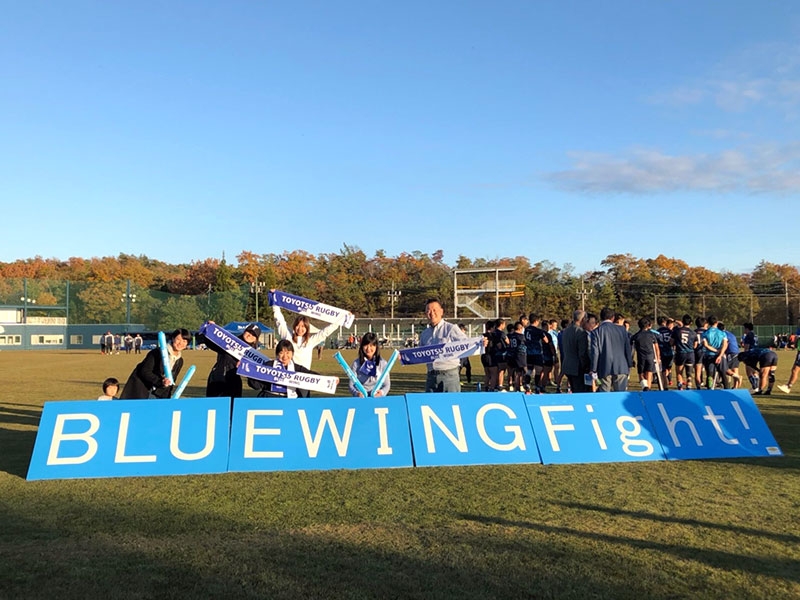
point(147, 378)
point(223, 381)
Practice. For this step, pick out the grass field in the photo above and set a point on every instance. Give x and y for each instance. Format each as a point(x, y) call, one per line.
point(693, 529)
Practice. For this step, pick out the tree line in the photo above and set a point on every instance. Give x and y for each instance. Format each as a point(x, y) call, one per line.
point(176, 294)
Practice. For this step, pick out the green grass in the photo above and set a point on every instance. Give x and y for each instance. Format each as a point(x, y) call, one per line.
point(693, 529)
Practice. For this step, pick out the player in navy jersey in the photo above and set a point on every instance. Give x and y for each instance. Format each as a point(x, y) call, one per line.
point(497, 346)
point(517, 357)
point(761, 364)
point(535, 340)
point(684, 341)
point(701, 324)
point(665, 325)
point(749, 338)
point(645, 343)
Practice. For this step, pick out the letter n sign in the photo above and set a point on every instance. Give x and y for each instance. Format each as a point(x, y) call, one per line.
point(470, 429)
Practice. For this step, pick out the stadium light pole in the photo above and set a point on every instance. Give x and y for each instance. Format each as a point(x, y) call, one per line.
point(393, 295)
point(128, 298)
point(256, 287)
point(25, 301)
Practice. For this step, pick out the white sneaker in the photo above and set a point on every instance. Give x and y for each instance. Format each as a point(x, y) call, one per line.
point(784, 388)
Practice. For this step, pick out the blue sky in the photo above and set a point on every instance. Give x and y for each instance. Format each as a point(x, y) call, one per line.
point(561, 131)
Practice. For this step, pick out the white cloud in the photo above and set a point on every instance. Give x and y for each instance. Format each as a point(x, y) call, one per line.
point(766, 75)
point(766, 168)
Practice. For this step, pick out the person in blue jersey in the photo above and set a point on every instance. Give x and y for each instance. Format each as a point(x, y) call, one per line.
point(715, 343)
point(665, 326)
point(732, 358)
point(535, 340)
point(684, 341)
point(645, 345)
point(369, 366)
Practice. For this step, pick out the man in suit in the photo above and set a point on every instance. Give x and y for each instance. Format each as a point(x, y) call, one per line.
point(575, 353)
point(610, 354)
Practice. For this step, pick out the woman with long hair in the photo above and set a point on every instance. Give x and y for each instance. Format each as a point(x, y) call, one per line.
point(369, 365)
point(300, 335)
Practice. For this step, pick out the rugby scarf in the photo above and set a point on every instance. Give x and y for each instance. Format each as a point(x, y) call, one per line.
point(368, 368)
point(282, 378)
point(311, 308)
point(450, 350)
point(231, 344)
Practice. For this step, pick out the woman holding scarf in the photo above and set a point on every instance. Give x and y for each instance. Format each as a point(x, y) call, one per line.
point(300, 335)
point(284, 361)
point(368, 367)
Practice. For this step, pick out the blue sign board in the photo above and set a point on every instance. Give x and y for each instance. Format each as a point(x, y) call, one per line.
point(710, 424)
point(470, 429)
point(125, 438)
point(279, 434)
point(589, 428)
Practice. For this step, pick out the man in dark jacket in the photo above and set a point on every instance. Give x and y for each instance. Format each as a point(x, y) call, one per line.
point(575, 353)
point(610, 354)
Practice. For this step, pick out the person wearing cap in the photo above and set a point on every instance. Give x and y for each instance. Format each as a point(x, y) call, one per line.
point(223, 380)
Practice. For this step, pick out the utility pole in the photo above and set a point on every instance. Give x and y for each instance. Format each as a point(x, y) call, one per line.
point(393, 295)
point(257, 287)
point(128, 298)
point(582, 294)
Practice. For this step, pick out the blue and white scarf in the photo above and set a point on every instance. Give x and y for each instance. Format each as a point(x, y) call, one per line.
point(449, 350)
point(311, 308)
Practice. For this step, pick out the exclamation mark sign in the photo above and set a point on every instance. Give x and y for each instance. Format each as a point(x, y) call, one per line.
point(740, 414)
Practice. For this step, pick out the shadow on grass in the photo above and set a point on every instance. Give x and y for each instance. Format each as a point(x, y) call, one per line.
point(19, 416)
point(779, 537)
point(785, 569)
point(16, 445)
point(140, 551)
point(16, 448)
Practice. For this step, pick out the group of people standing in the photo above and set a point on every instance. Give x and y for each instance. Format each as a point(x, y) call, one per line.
point(597, 354)
point(590, 353)
point(112, 343)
